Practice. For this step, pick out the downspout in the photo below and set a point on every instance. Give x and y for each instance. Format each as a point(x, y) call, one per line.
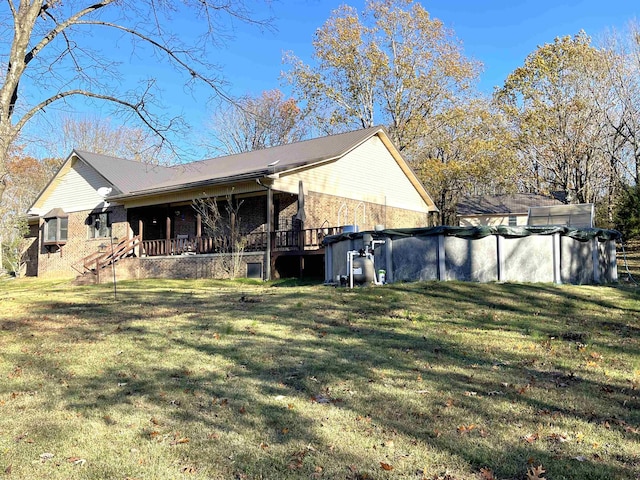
point(267, 253)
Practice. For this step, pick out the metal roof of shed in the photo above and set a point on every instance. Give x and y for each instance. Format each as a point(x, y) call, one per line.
point(577, 215)
point(516, 203)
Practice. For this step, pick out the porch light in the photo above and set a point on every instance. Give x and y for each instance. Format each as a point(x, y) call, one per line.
point(102, 248)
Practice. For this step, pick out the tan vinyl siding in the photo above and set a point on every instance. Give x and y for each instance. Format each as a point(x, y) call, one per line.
point(491, 220)
point(364, 174)
point(75, 190)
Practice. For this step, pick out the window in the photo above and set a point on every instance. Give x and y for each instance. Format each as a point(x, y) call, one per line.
point(254, 270)
point(99, 225)
point(513, 220)
point(56, 227)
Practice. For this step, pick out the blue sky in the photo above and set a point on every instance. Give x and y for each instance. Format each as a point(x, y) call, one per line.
point(498, 33)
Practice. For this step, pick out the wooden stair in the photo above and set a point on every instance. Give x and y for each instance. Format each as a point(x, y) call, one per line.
point(92, 264)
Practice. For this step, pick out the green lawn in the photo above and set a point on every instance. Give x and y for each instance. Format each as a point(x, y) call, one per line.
point(234, 380)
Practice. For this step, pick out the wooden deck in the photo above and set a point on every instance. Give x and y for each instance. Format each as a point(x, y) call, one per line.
point(281, 241)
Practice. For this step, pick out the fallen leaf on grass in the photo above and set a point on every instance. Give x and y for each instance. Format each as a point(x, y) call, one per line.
point(7, 471)
point(179, 441)
point(580, 458)
point(386, 466)
point(20, 437)
point(463, 429)
point(487, 474)
point(109, 420)
point(532, 437)
point(76, 460)
point(522, 390)
point(46, 456)
point(189, 470)
point(534, 473)
point(558, 437)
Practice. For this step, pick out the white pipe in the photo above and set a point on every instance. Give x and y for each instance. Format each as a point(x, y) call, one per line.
point(344, 205)
point(350, 266)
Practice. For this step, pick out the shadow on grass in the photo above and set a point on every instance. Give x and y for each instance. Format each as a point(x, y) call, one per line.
point(259, 349)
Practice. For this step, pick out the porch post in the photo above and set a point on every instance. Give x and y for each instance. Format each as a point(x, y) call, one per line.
point(140, 234)
point(198, 225)
point(168, 242)
point(267, 253)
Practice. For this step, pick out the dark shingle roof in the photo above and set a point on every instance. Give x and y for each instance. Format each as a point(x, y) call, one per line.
point(263, 162)
point(517, 203)
point(130, 177)
point(126, 175)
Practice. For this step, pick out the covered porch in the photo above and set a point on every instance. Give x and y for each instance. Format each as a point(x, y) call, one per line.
point(270, 223)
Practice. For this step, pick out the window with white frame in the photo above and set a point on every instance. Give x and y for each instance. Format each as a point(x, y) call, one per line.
point(56, 230)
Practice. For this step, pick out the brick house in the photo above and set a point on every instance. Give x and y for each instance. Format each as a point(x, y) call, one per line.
point(98, 209)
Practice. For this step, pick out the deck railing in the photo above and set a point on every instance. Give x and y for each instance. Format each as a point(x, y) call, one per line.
point(282, 240)
point(111, 254)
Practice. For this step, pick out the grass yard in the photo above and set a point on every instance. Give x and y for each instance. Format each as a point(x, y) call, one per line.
point(233, 380)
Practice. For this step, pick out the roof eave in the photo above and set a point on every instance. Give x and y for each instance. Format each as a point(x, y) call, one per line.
point(188, 186)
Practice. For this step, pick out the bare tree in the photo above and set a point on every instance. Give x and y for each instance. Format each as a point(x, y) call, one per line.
point(254, 123)
point(47, 58)
point(224, 228)
point(102, 135)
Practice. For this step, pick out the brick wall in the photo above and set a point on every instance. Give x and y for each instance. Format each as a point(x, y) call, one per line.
point(178, 266)
point(57, 262)
point(30, 255)
point(322, 209)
